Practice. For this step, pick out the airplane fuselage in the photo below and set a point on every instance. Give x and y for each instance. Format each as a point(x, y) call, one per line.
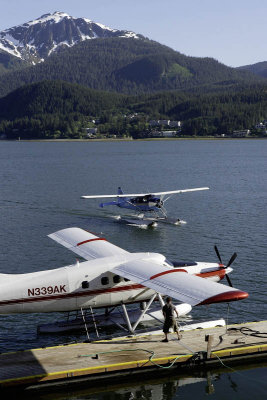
point(140, 204)
point(80, 286)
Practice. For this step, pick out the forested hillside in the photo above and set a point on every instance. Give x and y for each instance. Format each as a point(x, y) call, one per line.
point(259, 69)
point(55, 109)
point(128, 66)
point(9, 62)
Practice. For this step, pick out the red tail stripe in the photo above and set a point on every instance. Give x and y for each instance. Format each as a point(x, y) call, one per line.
point(90, 240)
point(170, 271)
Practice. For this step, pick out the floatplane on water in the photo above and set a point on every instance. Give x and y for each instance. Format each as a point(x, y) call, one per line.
point(111, 278)
point(143, 205)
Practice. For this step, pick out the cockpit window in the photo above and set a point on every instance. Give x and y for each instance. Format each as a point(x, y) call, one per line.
point(116, 279)
point(85, 284)
point(168, 262)
point(178, 264)
point(104, 280)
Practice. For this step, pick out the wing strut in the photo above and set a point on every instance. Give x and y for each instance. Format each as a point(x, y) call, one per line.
point(131, 327)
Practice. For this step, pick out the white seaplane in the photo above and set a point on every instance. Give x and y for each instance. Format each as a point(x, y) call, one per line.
point(112, 277)
point(142, 204)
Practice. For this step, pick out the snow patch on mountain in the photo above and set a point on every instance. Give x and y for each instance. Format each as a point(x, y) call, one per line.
point(38, 39)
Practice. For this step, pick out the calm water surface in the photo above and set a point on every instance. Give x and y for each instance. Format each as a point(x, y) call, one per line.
point(41, 184)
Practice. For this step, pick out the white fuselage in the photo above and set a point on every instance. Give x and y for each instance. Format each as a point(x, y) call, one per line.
point(80, 286)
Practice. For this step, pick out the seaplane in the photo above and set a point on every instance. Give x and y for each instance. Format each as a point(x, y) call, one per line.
point(142, 204)
point(111, 277)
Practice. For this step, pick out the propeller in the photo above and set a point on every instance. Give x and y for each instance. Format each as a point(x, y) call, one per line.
point(218, 254)
point(232, 259)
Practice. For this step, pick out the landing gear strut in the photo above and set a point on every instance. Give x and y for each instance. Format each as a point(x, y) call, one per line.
point(132, 328)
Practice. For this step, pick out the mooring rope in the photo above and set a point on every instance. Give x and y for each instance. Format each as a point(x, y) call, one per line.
point(150, 358)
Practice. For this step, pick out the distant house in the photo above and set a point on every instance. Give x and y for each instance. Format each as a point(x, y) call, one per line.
point(165, 122)
point(168, 133)
point(262, 126)
point(165, 134)
point(241, 133)
point(90, 131)
point(153, 122)
point(175, 124)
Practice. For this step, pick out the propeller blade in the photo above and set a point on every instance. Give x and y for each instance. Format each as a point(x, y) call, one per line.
point(232, 259)
point(218, 254)
point(228, 280)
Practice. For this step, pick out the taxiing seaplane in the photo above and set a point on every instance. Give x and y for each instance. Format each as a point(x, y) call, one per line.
point(142, 203)
point(112, 277)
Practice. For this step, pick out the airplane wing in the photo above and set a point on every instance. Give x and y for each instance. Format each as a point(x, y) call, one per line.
point(143, 194)
point(177, 284)
point(86, 244)
point(180, 191)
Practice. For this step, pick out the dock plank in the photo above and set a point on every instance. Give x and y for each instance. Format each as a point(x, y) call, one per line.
point(62, 362)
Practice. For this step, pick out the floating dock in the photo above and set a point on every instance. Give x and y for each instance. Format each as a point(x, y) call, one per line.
point(125, 356)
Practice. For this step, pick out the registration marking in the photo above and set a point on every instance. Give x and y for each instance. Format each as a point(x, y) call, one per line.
point(47, 290)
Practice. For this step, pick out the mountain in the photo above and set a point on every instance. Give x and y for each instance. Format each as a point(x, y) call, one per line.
point(127, 65)
point(259, 68)
point(59, 47)
point(36, 40)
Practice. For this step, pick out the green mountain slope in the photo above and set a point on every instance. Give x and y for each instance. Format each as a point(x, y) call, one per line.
point(9, 62)
point(127, 66)
point(59, 109)
point(259, 68)
point(50, 97)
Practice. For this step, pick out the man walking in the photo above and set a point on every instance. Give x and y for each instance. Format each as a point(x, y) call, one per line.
point(169, 320)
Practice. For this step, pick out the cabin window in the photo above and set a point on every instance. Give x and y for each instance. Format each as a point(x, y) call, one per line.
point(126, 280)
point(85, 284)
point(105, 280)
point(116, 279)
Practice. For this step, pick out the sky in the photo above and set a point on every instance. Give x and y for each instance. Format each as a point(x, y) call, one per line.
point(231, 31)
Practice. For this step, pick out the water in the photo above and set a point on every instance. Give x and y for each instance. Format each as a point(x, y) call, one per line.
point(41, 184)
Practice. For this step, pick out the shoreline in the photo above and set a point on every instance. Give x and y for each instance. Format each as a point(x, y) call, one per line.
point(132, 140)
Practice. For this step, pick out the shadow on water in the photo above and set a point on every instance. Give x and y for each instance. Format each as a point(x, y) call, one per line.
point(220, 383)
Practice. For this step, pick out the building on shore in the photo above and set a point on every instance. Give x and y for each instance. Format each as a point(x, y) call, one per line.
point(90, 132)
point(164, 134)
point(241, 133)
point(165, 122)
point(261, 126)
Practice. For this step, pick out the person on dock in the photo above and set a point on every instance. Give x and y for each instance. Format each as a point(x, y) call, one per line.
point(169, 320)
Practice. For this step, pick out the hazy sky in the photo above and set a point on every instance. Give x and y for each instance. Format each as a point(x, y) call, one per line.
point(232, 31)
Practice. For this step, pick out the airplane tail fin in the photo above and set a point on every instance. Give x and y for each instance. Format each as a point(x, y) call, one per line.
point(120, 200)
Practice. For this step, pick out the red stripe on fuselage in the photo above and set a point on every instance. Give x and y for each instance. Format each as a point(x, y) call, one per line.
point(71, 295)
point(220, 273)
point(90, 240)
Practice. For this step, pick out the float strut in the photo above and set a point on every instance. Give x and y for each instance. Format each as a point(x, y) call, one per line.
point(126, 316)
point(161, 300)
point(144, 311)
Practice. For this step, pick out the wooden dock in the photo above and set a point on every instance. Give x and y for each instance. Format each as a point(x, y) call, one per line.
point(128, 355)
